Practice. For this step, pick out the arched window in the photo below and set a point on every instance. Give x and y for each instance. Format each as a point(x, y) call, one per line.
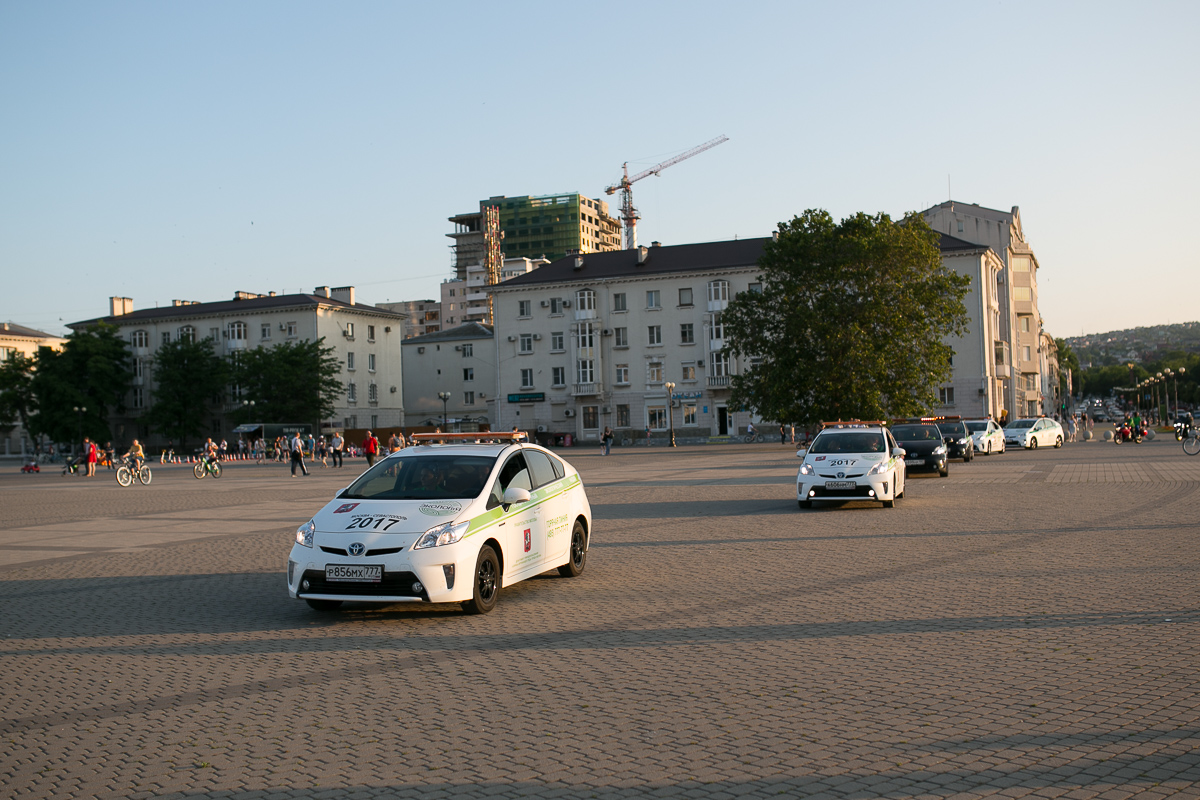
point(718, 290)
point(237, 330)
point(585, 300)
point(187, 334)
point(139, 339)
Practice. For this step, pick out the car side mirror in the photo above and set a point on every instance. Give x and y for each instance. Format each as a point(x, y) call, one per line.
point(802, 452)
point(514, 494)
point(899, 452)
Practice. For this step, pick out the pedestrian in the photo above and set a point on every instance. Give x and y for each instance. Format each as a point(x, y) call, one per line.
point(393, 443)
point(793, 426)
point(224, 448)
point(110, 455)
point(297, 450)
point(370, 448)
point(336, 444)
point(647, 436)
point(782, 434)
point(607, 439)
point(91, 453)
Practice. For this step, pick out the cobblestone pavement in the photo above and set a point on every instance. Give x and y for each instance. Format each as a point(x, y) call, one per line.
point(1027, 627)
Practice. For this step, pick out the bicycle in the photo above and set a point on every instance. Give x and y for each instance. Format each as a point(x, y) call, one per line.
point(126, 473)
point(207, 467)
point(1191, 442)
point(753, 437)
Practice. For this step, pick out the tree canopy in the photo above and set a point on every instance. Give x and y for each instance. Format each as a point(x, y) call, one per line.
point(91, 372)
point(291, 382)
point(849, 323)
point(187, 373)
point(17, 401)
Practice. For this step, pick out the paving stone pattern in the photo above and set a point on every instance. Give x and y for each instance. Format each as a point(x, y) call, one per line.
point(1027, 627)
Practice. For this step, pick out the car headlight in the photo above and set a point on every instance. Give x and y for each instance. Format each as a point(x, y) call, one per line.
point(878, 469)
point(939, 450)
point(806, 469)
point(304, 534)
point(963, 441)
point(438, 535)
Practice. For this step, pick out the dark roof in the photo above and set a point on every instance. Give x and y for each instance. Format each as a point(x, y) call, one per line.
point(951, 243)
point(659, 260)
point(251, 304)
point(13, 329)
point(469, 330)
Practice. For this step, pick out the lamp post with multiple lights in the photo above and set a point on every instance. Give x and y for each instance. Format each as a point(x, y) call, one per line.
point(670, 387)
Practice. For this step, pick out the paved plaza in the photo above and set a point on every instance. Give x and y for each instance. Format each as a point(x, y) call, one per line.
point(1027, 627)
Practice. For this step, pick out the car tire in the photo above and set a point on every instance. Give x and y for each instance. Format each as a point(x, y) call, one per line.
point(1058, 442)
point(323, 605)
point(486, 583)
point(805, 505)
point(944, 473)
point(577, 559)
point(1032, 443)
point(889, 503)
point(989, 449)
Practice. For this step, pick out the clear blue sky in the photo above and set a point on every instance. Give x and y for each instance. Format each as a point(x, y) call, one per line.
point(187, 150)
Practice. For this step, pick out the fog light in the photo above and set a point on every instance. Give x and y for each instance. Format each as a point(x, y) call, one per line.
point(449, 570)
point(304, 584)
point(870, 492)
point(812, 492)
point(417, 587)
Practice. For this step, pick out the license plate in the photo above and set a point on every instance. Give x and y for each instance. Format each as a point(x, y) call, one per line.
point(841, 485)
point(354, 573)
point(914, 462)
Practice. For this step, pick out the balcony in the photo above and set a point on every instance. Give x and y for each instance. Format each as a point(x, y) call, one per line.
point(1003, 359)
point(586, 389)
point(718, 381)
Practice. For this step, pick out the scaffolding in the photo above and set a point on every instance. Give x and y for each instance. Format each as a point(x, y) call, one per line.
point(493, 259)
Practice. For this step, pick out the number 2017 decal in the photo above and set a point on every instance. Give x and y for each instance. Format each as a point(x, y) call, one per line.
point(373, 523)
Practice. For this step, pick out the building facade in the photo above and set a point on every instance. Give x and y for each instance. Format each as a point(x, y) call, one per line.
point(420, 316)
point(464, 299)
point(365, 340)
point(592, 340)
point(1020, 320)
point(18, 339)
point(460, 362)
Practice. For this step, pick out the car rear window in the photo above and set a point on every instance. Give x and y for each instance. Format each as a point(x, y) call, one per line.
point(915, 433)
point(952, 428)
point(976, 427)
point(424, 477)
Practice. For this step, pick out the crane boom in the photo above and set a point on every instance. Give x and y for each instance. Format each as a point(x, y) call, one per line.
point(629, 214)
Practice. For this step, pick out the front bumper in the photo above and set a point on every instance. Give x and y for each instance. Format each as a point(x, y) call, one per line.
point(875, 487)
point(432, 575)
point(932, 463)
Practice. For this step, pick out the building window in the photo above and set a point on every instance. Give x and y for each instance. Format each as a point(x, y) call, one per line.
point(688, 371)
point(946, 395)
point(656, 418)
point(653, 299)
point(166, 337)
point(685, 297)
point(654, 335)
point(526, 343)
point(654, 372)
point(1025, 322)
point(372, 393)
point(468, 350)
point(266, 330)
point(351, 392)
point(559, 376)
point(352, 421)
point(370, 362)
point(585, 300)
point(718, 291)
point(291, 330)
point(622, 373)
point(214, 334)
point(689, 414)
point(622, 416)
point(717, 329)
point(139, 339)
point(349, 330)
point(349, 361)
point(687, 333)
point(524, 308)
point(585, 370)
point(370, 333)
point(139, 397)
point(756, 287)
point(960, 226)
point(468, 398)
point(187, 334)
point(1027, 355)
point(585, 337)
point(468, 373)
point(556, 306)
point(718, 364)
point(557, 342)
point(620, 337)
point(619, 302)
point(591, 418)
point(1022, 293)
point(527, 379)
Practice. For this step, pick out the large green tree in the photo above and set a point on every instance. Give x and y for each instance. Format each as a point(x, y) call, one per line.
point(186, 373)
point(17, 401)
point(291, 382)
point(1068, 363)
point(849, 323)
point(92, 372)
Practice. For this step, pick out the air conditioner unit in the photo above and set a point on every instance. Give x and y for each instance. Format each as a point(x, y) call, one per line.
point(387, 328)
point(606, 332)
point(545, 304)
point(566, 303)
point(420, 351)
point(458, 347)
point(512, 338)
point(537, 337)
point(570, 412)
point(347, 334)
point(541, 428)
point(700, 362)
point(482, 395)
point(283, 326)
point(606, 410)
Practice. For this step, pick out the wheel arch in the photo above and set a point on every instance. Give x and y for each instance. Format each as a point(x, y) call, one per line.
point(497, 549)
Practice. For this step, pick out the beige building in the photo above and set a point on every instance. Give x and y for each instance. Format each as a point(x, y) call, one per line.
point(464, 299)
point(15, 339)
point(365, 340)
point(459, 362)
point(1020, 321)
point(590, 341)
point(420, 316)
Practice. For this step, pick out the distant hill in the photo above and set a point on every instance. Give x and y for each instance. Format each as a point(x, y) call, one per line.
point(1136, 344)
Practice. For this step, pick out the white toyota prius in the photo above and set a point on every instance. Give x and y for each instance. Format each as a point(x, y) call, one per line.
point(851, 461)
point(444, 523)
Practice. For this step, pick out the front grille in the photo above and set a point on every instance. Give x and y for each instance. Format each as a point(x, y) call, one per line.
point(858, 491)
point(848, 476)
point(382, 551)
point(397, 584)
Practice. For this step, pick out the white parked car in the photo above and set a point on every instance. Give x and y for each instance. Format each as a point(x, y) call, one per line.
point(444, 523)
point(1034, 432)
point(851, 461)
point(986, 435)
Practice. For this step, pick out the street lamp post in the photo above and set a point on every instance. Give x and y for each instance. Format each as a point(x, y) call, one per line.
point(445, 396)
point(670, 387)
point(1181, 371)
point(79, 412)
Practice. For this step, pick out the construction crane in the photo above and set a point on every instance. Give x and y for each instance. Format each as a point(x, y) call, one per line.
point(629, 214)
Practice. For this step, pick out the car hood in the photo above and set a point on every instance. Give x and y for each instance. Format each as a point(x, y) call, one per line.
point(924, 447)
point(388, 516)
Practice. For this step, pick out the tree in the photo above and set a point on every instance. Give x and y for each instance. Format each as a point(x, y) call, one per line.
point(849, 323)
point(17, 402)
point(186, 374)
point(92, 371)
point(1068, 363)
point(292, 382)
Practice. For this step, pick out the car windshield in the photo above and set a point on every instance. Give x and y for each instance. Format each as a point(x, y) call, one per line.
point(423, 477)
point(1023, 423)
point(951, 428)
point(849, 442)
point(916, 433)
point(976, 427)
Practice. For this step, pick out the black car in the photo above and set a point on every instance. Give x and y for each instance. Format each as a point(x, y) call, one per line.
point(957, 439)
point(924, 448)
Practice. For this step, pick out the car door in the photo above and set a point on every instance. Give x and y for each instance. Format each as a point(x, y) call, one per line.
point(1039, 432)
point(555, 505)
point(901, 471)
point(523, 530)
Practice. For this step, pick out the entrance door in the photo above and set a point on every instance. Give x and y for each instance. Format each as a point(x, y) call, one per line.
point(722, 421)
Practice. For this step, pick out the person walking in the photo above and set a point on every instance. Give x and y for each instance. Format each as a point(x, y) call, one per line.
point(297, 448)
point(607, 439)
point(335, 445)
point(370, 448)
point(393, 442)
point(92, 455)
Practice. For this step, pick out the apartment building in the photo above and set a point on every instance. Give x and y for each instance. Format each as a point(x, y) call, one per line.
point(1021, 325)
point(18, 339)
point(592, 340)
point(365, 340)
point(460, 363)
point(420, 316)
point(464, 299)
